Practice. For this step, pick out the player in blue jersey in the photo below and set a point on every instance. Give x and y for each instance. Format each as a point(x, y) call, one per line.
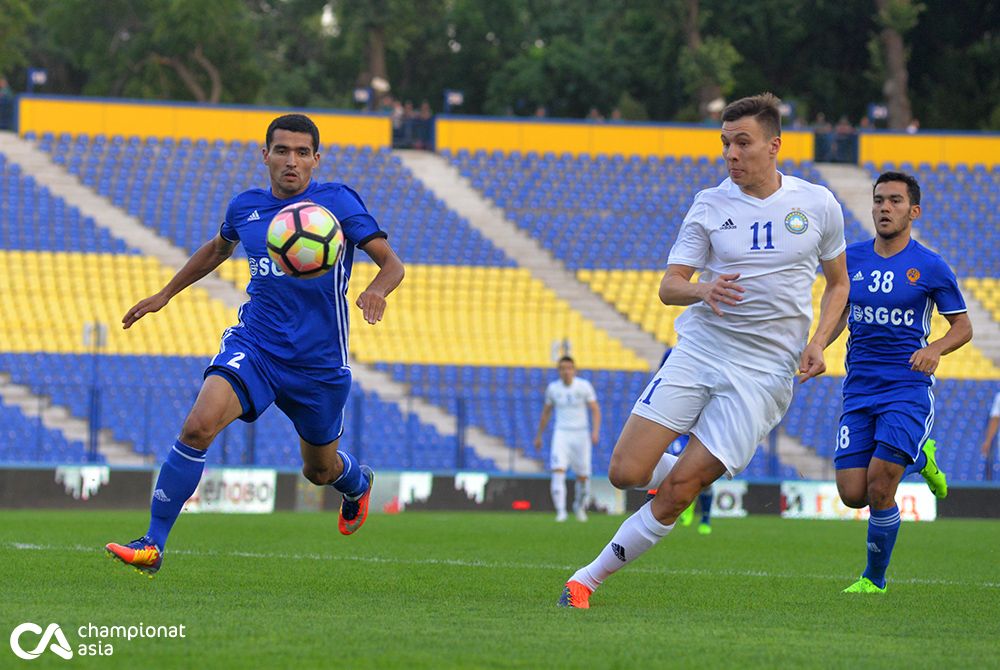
point(888, 391)
point(289, 347)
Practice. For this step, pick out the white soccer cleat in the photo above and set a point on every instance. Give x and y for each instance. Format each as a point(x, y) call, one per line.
point(581, 514)
point(560, 517)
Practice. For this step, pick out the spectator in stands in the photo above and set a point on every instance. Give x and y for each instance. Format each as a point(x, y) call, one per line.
point(913, 126)
point(844, 148)
point(595, 115)
point(541, 112)
point(823, 132)
point(426, 119)
point(6, 105)
point(991, 432)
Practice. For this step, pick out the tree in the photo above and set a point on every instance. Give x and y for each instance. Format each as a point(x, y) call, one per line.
point(15, 21)
point(706, 65)
point(896, 18)
point(174, 49)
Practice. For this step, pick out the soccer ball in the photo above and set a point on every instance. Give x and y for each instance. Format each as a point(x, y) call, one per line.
point(305, 240)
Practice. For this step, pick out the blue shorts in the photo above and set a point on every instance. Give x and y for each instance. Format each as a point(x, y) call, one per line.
point(891, 426)
point(313, 397)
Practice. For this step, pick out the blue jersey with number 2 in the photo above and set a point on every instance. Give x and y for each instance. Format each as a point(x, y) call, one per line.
point(299, 321)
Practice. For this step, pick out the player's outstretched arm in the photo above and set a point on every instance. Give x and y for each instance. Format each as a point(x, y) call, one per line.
point(207, 258)
point(831, 311)
point(390, 274)
point(960, 332)
point(676, 289)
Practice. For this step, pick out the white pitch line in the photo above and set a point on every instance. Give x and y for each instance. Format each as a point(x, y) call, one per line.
point(491, 565)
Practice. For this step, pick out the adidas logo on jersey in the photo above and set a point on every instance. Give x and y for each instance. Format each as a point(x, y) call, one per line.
point(254, 216)
point(858, 276)
point(160, 495)
point(728, 225)
point(619, 551)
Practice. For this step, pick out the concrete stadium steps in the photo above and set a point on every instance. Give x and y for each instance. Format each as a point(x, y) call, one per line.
point(445, 181)
point(58, 418)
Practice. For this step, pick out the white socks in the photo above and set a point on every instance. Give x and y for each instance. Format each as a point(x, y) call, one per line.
point(559, 492)
point(639, 532)
point(660, 472)
point(581, 497)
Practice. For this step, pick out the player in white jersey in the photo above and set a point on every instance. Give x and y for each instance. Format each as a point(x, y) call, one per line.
point(572, 437)
point(757, 239)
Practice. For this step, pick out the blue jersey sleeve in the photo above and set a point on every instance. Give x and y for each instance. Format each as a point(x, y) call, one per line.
point(359, 226)
point(946, 293)
point(228, 229)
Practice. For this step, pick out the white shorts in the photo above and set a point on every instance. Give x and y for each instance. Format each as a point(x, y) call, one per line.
point(571, 451)
point(729, 408)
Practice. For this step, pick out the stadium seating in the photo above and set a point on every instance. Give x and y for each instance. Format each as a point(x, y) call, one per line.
point(181, 190)
point(25, 440)
point(469, 331)
point(34, 220)
point(609, 212)
point(144, 399)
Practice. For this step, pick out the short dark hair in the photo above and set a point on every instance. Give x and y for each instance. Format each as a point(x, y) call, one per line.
point(566, 359)
point(912, 187)
point(764, 107)
point(297, 123)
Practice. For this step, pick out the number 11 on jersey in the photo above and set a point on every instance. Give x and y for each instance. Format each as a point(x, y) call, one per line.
point(756, 232)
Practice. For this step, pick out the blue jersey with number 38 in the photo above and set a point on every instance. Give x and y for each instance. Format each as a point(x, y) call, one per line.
point(889, 313)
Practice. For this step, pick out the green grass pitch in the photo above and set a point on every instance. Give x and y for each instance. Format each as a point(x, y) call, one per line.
point(478, 590)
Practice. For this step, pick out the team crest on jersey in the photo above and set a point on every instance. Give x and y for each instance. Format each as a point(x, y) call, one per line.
point(913, 274)
point(796, 222)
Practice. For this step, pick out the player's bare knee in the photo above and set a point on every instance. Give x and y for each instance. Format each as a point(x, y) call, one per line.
point(881, 492)
point(622, 476)
point(318, 475)
point(198, 433)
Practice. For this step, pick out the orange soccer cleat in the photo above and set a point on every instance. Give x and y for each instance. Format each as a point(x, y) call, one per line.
point(354, 512)
point(575, 595)
point(141, 554)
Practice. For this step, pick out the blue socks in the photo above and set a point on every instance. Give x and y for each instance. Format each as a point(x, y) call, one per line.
point(705, 500)
point(179, 477)
point(883, 526)
point(917, 466)
point(351, 482)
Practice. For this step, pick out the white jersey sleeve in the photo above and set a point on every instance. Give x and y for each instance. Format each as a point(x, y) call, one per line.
point(589, 395)
point(833, 242)
point(692, 245)
point(995, 410)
